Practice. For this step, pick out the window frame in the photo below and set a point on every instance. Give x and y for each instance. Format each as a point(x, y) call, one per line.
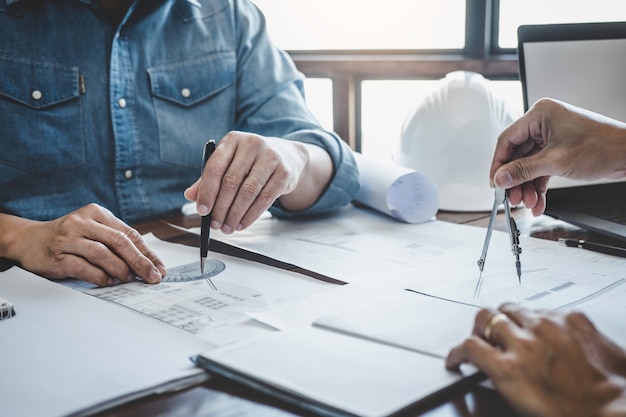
point(347, 69)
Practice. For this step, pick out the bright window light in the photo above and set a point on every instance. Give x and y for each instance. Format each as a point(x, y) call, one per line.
point(360, 25)
point(514, 13)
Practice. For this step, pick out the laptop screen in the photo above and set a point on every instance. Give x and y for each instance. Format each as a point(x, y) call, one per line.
point(582, 64)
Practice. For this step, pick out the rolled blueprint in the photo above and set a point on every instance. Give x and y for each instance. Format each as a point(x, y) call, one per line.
point(402, 193)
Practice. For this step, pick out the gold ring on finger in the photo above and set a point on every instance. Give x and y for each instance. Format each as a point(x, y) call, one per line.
point(495, 320)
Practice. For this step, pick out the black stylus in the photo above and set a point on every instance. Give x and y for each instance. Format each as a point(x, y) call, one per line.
point(596, 247)
point(205, 225)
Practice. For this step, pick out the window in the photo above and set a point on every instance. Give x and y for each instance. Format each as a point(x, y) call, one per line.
point(319, 98)
point(357, 25)
point(514, 13)
point(368, 64)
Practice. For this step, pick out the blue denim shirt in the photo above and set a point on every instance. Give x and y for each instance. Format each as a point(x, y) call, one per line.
point(93, 111)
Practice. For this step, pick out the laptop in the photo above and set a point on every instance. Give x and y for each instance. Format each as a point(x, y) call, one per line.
point(583, 64)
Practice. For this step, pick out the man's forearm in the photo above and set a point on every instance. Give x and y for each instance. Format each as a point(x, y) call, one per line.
point(313, 180)
point(11, 233)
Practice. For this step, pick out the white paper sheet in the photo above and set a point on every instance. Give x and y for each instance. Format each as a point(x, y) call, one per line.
point(65, 352)
point(361, 377)
point(607, 311)
point(404, 319)
point(354, 245)
point(221, 316)
point(360, 246)
point(553, 276)
point(382, 313)
point(435, 258)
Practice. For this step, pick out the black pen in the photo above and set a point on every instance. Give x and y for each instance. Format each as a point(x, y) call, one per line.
point(596, 247)
point(205, 226)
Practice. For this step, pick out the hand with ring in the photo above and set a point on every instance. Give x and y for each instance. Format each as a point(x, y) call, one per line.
point(495, 320)
point(546, 363)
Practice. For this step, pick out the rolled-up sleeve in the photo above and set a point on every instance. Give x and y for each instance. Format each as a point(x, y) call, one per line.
point(345, 182)
point(271, 103)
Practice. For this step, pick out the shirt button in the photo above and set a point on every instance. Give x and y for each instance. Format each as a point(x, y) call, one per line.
point(121, 102)
point(185, 92)
point(128, 174)
point(36, 94)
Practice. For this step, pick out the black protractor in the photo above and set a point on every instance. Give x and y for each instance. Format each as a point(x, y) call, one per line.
point(191, 272)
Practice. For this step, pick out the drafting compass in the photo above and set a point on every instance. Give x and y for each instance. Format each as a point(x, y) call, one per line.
point(500, 197)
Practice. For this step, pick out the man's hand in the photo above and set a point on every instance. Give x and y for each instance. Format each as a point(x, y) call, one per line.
point(556, 139)
point(89, 243)
point(246, 173)
point(546, 363)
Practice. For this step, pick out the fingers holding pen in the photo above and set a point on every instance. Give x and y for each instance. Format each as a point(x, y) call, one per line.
point(240, 185)
point(206, 188)
point(217, 179)
point(268, 178)
point(224, 177)
point(243, 177)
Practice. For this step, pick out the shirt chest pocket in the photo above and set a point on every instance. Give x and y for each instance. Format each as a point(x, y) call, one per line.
point(40, 115)
point(194, 100)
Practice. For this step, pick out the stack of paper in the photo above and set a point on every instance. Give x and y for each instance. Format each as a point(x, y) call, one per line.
point(77, 354)
point(378, 352)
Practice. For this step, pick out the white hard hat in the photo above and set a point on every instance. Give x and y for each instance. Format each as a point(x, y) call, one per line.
point(450, 137)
